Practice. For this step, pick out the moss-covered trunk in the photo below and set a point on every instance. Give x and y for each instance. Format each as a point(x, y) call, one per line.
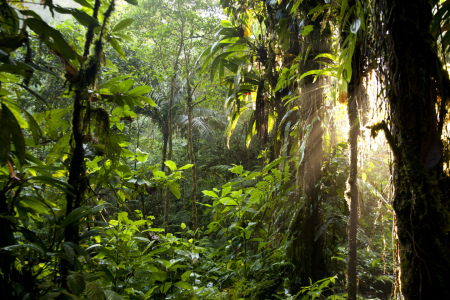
point(420, 201)
point(355, 89)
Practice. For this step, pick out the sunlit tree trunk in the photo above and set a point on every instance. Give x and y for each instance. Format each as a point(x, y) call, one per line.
point(417, 88)
point(352, 192)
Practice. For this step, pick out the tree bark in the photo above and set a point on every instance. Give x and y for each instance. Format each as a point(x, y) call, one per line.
point(416, 85)
point(352, 194)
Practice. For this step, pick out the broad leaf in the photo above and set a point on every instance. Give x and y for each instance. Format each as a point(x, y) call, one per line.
point(123, 24)
point(170, 164)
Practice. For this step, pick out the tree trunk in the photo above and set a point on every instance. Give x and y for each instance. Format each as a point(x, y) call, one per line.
point(170, 125)
point(421, 199)
point(194, 172)
point(190, 106)
point(352, 193)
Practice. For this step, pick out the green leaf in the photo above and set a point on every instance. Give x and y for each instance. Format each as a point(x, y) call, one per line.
point(15, 248)
point(5, 139)
point(228, 201)
point(225, 23)
point(165, 287)
point(140, 90)
point(307, 30)
point(123, 24)
point(124, 86)
point(158, 174)
point(115, 44)
point(56, 183)
point(111, 66)
point(84, 3)
point(273, 164)
point(33, 126)
point(188, 166)
point(183, 285)
point(111, 295)
point(141, 156)
point(58, 43)
point(114, 81)
point(35, 203)
point(123, 217)
point(327, 55)
point(183, 226)
point(148, 101)
point(124, 37)
point(30, 13)
point(94, 292)
point(175, 189)
point(237, 170)
point(185, 276)
point(150, 291)
point(170, 164)
point(159, 276)
point(82, 212)
point(76, 283)
point(82, 17)
point(12, 131)
point(295, 6)
point(210, 193)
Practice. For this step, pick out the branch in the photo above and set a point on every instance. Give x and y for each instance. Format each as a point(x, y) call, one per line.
point(374, 129)
point(198, 102)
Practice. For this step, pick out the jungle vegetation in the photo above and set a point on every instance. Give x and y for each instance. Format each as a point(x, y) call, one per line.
point(194, 149)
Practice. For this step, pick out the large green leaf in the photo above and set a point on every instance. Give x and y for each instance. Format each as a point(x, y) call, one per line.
point(175, 189)
point(15, 134)
point(123, 24)
point(84, 3)
point(5, 139)
point(210, 193)
point(165, 287)
point(115, 44)
point(82, 17)
point(140, 90)
point(82, 212)
point(57, 41)
point(141, 156)
point(183, 285)
point(172, 166)
point(56, 183)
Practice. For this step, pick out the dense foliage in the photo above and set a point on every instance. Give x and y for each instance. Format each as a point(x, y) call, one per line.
point(196, 150)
